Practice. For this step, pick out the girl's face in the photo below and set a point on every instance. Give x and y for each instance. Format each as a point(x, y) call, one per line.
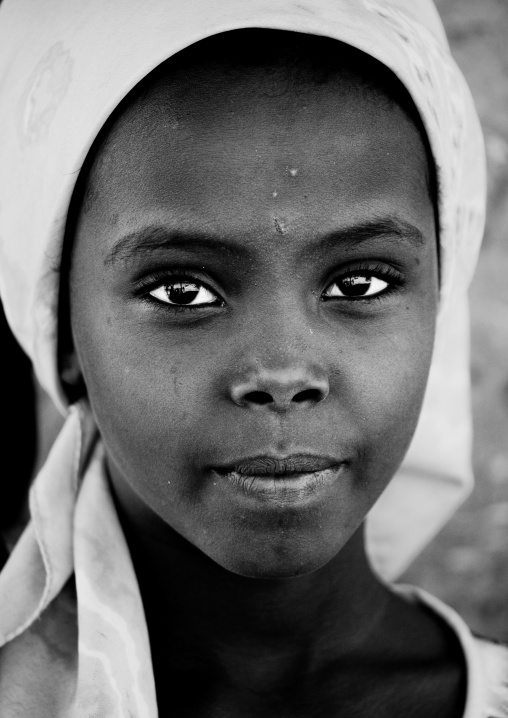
point(254, 276)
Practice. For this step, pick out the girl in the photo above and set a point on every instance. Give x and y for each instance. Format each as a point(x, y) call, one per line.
point(273, 205)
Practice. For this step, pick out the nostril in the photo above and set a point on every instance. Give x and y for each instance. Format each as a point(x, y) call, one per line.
point(279, 391)
point(311, 395)
point(258, 397)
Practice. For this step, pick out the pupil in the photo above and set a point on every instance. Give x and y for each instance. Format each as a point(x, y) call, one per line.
point(182, 292)
point(355, 286)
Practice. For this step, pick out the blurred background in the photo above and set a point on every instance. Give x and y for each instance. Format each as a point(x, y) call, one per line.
point(467, 564)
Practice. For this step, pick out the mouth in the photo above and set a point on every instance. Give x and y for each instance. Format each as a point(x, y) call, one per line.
point(289, 479)
point(275, 466)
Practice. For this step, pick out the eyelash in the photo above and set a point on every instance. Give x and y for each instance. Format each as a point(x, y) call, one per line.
point(388, 274)
point(156, 280)
point(382, 271)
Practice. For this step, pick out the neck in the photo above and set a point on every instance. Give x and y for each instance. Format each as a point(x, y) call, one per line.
point(203, 618)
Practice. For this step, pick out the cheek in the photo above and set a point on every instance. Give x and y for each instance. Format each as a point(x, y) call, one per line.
point(387, 389)
point(146, 395)
point(160, 402)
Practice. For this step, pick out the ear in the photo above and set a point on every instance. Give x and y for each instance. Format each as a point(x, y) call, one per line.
point(69, 366)
point(70, 370)
point(71, 375)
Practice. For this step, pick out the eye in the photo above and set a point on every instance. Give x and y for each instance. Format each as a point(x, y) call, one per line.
point(361, 284)
point(184, 293)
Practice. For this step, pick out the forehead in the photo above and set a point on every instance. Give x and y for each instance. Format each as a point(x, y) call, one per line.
point(213, 141)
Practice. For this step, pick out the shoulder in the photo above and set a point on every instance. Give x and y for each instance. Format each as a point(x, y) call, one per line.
point(493, 668)
point(486, 661)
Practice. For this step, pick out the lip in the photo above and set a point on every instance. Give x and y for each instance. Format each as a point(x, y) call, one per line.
point(289, 480)
point(274, 466)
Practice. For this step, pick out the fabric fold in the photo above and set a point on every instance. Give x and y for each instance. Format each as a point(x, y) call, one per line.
point(42, 561)
point(115, 676)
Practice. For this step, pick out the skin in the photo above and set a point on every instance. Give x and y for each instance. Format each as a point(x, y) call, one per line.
point(278, 610)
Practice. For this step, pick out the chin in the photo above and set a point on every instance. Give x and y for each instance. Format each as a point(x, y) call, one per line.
point(275, 563)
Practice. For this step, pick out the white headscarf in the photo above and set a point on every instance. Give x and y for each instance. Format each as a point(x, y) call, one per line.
point(66, 64)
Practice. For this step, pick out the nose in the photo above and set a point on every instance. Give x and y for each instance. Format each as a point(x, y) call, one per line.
point(281, 389)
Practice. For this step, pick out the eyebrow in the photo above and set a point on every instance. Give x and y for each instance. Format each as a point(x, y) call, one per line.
point(156, 238)
point(387, 228)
